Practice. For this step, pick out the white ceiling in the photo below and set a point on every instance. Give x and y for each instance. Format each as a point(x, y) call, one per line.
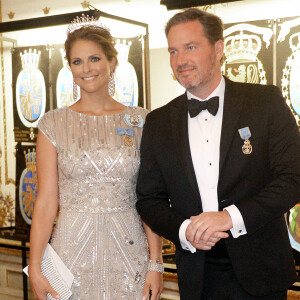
point(150, 11)
point(146, 11)
point(137, 9)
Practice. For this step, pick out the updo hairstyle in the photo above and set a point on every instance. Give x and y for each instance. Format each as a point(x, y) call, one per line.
point(101, 36)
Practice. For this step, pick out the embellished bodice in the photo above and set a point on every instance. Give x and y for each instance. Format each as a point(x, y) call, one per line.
point(94, 158)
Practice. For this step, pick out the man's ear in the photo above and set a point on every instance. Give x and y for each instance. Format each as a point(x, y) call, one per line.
point(219, 48)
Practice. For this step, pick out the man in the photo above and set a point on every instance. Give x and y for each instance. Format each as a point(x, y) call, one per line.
point(216, 180)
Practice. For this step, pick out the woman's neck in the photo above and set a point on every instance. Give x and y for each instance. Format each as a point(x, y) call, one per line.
point(97, 105)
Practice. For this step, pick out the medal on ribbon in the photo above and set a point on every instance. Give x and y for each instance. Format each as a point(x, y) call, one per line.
point(127, 136)
point(245, 134)
point(134, 120)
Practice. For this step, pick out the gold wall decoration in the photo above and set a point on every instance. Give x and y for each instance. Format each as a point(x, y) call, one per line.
point(6, 206)
point(85, 4)
point(46, 10)
point(11, 14)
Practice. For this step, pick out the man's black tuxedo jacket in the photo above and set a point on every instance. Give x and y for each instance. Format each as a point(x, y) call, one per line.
point(263, 185)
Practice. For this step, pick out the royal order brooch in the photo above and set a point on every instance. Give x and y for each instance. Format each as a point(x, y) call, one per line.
point(134, 120)
point(127, 136)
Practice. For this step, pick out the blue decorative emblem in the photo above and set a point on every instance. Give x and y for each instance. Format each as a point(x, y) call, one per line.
point(28, 187)
point(30, 90)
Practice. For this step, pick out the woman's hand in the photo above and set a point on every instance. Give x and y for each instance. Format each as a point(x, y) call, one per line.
point(39, 284)
point(153, 283)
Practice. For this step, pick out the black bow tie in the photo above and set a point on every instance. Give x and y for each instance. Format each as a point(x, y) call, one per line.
point(196, 106)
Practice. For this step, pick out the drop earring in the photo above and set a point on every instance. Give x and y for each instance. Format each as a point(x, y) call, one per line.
point(75, 89)
point(111, 84)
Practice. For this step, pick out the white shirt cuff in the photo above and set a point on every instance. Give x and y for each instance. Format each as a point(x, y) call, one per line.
point(185, 244)
point(238, 225)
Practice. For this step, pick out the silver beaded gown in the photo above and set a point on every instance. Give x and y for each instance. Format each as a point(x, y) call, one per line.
point(98, 233)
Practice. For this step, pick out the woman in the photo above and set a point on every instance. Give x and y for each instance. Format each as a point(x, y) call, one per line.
point(87, 160)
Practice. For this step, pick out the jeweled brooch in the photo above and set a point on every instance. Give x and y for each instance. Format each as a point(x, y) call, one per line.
point(134, 120)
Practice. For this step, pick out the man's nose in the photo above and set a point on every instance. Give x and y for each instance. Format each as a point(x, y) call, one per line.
point(181, 58)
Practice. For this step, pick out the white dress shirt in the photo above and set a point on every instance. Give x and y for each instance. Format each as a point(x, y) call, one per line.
point(204, 137)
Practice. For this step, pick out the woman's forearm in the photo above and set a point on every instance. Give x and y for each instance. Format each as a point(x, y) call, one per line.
point(154, 243)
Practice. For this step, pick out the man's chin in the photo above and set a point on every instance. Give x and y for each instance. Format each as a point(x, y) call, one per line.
point(186, 85)
point(190, 87)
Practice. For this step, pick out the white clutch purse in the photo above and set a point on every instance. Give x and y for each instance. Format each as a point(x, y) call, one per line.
point(56, 272)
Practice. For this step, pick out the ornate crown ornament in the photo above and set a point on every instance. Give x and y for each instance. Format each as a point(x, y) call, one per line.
point(242, 63)
point(30, 59)
point(242, 46)
point(85, 21)
point(30, 160)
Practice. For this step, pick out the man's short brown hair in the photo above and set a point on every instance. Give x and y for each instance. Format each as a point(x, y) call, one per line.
point(212, 24)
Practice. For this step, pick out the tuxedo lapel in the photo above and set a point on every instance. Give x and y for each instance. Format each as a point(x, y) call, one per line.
point(179, 123)
point(233, 103)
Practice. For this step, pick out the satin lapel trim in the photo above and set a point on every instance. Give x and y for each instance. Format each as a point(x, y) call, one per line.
point(231, 113)
point(180, 134)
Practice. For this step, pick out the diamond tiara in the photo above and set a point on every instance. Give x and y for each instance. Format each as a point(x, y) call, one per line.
point(85, 21)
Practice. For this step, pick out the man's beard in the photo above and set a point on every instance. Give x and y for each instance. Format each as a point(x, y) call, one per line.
point(202, 80)
point(203, 76)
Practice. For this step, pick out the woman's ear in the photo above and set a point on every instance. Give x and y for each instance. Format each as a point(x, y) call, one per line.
point(113, 64)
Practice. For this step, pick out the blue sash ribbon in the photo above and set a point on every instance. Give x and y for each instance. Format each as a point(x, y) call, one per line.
point(122, 131)
point(245, 133)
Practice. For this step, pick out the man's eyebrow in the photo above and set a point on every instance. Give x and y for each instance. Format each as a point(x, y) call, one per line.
point(190, 43)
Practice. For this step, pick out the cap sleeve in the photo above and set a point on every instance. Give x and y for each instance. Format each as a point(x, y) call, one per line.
point(139, 110)
point(46, 125)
